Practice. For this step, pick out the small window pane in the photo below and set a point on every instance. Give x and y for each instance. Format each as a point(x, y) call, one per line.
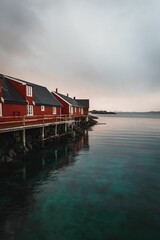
point(42, 108)
point(54, 110)
point(29, 91)
point(29, 110)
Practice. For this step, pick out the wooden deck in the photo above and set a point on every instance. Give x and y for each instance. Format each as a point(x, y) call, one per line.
point(15, 123)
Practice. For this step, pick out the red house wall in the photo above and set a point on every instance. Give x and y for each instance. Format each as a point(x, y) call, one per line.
point(65, 106)
point(0, 89)
point(48, 111)
point(58, 111)
point(77, 112)
point(22, 90)
point(85, 111)
point(13, 110)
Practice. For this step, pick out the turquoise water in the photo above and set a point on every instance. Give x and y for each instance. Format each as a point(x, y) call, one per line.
point(104, 186)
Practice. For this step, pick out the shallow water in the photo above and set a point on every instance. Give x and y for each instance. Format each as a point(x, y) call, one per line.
point(104, 186)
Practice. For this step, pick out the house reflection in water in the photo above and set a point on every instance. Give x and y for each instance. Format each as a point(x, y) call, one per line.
point(19, 187)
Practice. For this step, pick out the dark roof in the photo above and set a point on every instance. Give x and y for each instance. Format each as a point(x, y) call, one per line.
point(42, 96)
point(83, 102)
point(10, 94)
point(70, 100)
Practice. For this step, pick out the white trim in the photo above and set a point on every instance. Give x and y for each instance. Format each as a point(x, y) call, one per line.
point(0, 109)
point(62, 98)
point(2, 99)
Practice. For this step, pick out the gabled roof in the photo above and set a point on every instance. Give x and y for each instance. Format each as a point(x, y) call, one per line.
point(10, 94)
point(69, 100)
point(42, 96)
point(83, 102)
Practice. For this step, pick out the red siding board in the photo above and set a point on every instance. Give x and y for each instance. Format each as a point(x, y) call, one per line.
point(19, 87)
point(0, 89)
point(22, 90)
point(13, 110)
point(48, 111)
point(65, 106)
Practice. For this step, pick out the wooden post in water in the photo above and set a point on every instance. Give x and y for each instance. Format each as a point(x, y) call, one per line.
point(55, 129)
point(42, 133)
point(65, 127)
point(42, 137)
point(24, 137)
point(24, 133)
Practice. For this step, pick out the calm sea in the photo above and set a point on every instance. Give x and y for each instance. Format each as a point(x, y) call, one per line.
point(105, 186)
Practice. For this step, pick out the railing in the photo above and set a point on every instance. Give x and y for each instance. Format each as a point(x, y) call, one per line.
point(20, 121)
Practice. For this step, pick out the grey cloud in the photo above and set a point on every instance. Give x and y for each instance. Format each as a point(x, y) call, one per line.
point(112, 45)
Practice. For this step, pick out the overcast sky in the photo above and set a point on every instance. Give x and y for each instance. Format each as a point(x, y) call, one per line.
point(104, 50)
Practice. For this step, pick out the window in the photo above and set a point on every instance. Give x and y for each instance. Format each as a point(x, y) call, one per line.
point(42, 108)
point(29, 110)
point(29, 91)
point(54, 110)
point(81, 110)
point(0, 109)
point(71, 110)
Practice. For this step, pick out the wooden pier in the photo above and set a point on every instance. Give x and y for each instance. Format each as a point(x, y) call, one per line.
point(19, 124)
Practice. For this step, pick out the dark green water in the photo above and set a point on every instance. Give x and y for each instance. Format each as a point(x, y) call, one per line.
point(105, 186)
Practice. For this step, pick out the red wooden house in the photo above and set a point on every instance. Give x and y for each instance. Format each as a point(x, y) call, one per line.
point(72, 107)
point(85, 104)
point(12, 103)
point(19, 98)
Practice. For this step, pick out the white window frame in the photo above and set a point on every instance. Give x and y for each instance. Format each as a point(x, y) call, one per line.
point(54, 110)
point(29, 91)
point(81, 110)
point(71, 110)
point(0, 109)
point(29, 110)
point(42, 108)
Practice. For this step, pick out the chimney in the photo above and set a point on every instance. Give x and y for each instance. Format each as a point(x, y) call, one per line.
point(74, 98)
point(56, 90)
point(67, 95)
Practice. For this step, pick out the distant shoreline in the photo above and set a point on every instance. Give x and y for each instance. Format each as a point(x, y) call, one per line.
point(106, 112)
point(141, 112)
point(101, 112)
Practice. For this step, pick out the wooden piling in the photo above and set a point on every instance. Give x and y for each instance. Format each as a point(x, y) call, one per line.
point(65, 127)
point(24, 137)
point(55, 129)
